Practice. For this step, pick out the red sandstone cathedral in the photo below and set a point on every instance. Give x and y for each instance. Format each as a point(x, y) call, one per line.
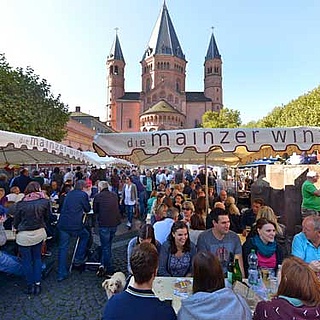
point(163, 103)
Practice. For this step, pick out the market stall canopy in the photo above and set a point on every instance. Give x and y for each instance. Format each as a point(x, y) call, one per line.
point(211, 146)
point(22, 149)
point(102, 162)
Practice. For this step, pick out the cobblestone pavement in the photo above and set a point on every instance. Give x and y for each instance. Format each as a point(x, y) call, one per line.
point(78, 297)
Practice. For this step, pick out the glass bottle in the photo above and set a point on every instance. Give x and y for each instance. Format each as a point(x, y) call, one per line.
point(230, 268)
point(237, 275)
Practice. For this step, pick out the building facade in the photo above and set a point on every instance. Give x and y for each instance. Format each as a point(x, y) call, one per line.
point(162, 103)
point(78, 136)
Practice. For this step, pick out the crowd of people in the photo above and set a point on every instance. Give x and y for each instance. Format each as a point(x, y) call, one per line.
point(184, 232)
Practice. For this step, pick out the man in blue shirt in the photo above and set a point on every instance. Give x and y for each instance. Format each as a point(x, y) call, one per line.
point(138, 301)
point(306, 244)
point(70, 224)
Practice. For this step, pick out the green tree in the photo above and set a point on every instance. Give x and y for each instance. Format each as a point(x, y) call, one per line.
point(27, 105)
point(226, 118)
point(303, 111)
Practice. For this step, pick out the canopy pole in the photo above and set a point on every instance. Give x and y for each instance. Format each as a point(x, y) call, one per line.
point(206, 186)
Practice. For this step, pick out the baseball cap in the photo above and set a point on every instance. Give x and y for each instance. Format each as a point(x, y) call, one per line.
point(311, 174)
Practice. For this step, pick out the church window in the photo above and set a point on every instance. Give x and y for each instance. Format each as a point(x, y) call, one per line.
point(145, 70)
point(116, 70)
point(148, 85)
point(162, 94)
point(129, 123)
point(178, 85)
point(196, 123)
point(111, 70)
point(216, 70)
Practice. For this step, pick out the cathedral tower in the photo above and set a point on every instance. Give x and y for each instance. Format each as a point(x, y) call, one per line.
point(163, 66)
point(115, 80)
point(213, 75)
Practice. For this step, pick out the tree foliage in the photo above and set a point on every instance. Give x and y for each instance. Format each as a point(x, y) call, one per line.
point(303, 111)
point(27, 105)
point(226, 118)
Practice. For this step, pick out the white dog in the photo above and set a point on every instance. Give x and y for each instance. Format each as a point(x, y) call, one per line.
point(115, 284)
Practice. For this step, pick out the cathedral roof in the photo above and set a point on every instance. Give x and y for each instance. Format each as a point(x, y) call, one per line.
point(161, 106)
point(116, 52)
point(196, 97)
point(213, 51)
point(164, 39)
point(134, 96)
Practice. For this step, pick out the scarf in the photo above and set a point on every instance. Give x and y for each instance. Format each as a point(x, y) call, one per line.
point(266, 250)
point(34, 196)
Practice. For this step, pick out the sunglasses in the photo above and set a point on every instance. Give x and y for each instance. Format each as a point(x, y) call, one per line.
point(186, 209)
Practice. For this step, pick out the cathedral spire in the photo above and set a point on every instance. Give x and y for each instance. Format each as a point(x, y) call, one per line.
point(164, 40)
point(213, 51)
point(116, 52)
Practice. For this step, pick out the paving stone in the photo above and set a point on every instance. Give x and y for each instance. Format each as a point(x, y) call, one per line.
point(77, 298)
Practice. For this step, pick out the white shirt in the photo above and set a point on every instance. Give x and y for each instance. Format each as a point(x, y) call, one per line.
point(127, 196)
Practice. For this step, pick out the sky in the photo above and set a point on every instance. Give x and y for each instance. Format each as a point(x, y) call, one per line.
point(270, 49)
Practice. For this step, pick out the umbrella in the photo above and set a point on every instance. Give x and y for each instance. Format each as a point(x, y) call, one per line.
point(205, 146)
point(101, 162)
point(22, 149)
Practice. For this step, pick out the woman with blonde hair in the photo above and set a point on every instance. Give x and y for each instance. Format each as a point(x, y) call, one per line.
point(187, 211)
point(160, 213)
point(234, 215)
point(296, 298)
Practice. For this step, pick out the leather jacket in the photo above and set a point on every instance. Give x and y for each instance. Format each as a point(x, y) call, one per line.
point(31, 215)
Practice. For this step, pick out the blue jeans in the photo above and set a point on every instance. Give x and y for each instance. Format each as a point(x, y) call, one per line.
point(129, 212)
point(64, 242)
point(10, 264)
point(106, 236)
point(142, 203)
point(31, 262)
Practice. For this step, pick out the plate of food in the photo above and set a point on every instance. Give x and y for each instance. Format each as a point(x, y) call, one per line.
point(182, 287)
